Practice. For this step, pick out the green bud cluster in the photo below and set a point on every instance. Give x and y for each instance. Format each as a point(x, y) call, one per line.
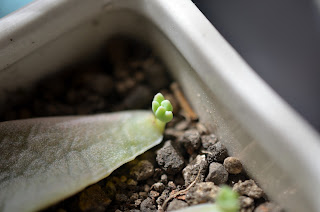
point(227, 200)
point(162, 108)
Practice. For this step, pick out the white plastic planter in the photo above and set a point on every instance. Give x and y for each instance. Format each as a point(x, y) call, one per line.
point(279, 149)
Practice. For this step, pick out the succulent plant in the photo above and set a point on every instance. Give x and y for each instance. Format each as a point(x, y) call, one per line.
point(162, 108)
point(227, 200)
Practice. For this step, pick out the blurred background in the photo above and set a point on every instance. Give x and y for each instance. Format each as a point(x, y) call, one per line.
point(280, 40)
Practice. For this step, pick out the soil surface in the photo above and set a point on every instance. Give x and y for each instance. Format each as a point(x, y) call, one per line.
point(186, 169)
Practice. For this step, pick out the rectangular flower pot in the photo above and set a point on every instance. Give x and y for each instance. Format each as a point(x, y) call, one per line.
point(278, 148)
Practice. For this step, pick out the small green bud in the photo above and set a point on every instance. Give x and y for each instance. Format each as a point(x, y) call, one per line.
point(227, 200)
point(162, 108)
point(158, 97)
point(155, 106)
point(161, 111)
point(169, 116)
point(167, 105)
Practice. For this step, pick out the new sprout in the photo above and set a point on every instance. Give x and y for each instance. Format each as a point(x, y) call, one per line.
point(227, 200)
point(162, 108)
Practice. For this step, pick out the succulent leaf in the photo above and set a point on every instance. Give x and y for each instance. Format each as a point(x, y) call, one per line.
point(168, 116)
point(158, 97)
point(160, 113)
point(45, 160)
point(155, 106)
point(167, 105)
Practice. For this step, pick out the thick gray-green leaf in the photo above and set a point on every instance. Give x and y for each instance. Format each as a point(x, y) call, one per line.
point(45, 160)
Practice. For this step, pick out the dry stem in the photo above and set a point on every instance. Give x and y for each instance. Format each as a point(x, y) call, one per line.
point(183, 102)
point(184, 191)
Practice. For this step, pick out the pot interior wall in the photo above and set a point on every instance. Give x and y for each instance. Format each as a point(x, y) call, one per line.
point(83, 43)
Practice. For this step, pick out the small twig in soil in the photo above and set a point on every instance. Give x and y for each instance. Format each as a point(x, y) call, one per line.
point(183, 102)
point(206, 152)
point(184, 191)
